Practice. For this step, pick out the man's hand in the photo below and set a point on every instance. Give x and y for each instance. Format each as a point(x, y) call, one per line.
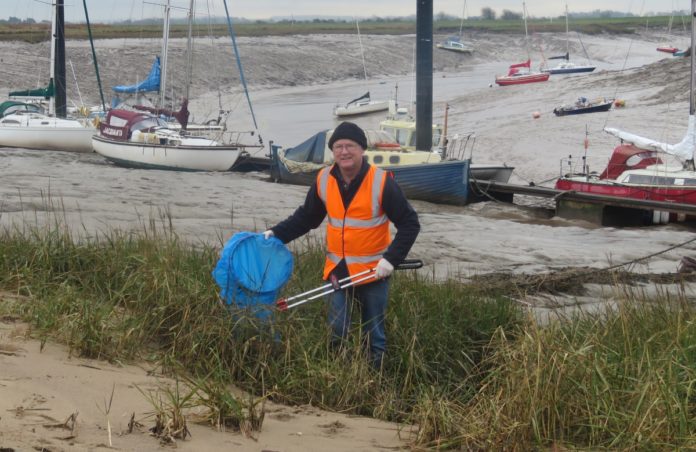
point(268, 234)
point(384, 269)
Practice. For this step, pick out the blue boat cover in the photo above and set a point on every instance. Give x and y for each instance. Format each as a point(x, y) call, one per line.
point(151, 83)
point(251, 271)
point(311, 150)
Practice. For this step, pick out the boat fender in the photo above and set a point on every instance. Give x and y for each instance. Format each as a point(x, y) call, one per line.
point(151, 138)
point(138, 136)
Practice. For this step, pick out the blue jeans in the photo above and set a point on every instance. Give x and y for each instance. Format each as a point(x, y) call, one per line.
point(372, 299)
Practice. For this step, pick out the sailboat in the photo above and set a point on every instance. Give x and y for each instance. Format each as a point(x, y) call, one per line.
point(636, 168)
point(31, 129)
point(143, 139)
point(455, 43)
point(566, 66)
point(521, 73)
point(363, 104)
point(668, 48)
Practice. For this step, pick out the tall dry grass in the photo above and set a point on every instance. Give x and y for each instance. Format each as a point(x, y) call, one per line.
point(464, 365)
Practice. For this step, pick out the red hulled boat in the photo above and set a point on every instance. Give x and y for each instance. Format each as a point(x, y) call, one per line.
point(520, 73)
point(636, 169)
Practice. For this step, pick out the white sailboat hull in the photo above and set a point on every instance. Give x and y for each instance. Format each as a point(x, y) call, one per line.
point(171, 157)
point(362, 108)
point(53, 134)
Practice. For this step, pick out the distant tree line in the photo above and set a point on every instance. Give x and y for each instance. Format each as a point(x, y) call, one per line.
point(487, 13)
point(17, 21)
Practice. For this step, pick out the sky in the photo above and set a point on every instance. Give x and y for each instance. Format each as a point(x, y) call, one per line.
point(109, 10)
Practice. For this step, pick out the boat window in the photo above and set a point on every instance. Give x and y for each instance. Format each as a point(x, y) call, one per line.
point(436, 137)
point(10, 121)
point(637, 158)
point(377, 159)
point(146, 124)
point(394, 159)
point(646, 179)
point(401, 136)
point(117, 122)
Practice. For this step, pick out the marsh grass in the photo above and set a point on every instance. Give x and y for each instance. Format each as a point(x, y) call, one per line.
point(395, 26)
point(463, 364)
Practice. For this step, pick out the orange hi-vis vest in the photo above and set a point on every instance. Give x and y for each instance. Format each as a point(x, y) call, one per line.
point(359, 234)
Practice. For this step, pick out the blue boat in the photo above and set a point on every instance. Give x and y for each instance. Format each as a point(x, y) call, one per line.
point(438, 181)
point(445, 182)
point(567, 67)
point(582, 105)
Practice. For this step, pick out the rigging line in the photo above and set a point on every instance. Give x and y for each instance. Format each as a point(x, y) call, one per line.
point(77, 86)
point(212, 46)
point(461, 24)
point(623, 68)
point(239, 63)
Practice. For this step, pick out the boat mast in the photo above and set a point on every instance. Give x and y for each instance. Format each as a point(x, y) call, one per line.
point(52, 75)
point(59, 75)
point(461, 24)
point(526, 36)
point(165, 44)
point(362, 51)
point(692, 106)
point(189, 51)
point(689, 164)
point(567, 37)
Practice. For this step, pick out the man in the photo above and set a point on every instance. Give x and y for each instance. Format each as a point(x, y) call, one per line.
point(360, 201)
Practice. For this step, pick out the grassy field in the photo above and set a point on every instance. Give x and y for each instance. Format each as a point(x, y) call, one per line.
point(40, 32)
point(464, 363)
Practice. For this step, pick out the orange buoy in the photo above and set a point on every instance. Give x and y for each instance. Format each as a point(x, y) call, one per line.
point(619, 103)
point(536, 115)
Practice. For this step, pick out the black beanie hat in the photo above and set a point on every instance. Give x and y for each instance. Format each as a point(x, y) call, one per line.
point(349, 131)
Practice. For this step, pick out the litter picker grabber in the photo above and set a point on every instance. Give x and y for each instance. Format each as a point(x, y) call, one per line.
point(340, 284)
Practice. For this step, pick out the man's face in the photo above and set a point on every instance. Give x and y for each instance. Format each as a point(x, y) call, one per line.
point(347, 154)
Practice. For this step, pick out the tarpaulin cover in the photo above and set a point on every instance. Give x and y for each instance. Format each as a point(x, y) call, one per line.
point(251, 271)
point(151, 82)
point(310, 150)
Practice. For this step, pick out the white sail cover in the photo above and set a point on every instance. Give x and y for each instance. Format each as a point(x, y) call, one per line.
point(683, 150)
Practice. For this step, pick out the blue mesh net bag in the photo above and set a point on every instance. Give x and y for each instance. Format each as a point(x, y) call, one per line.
point(251, 271)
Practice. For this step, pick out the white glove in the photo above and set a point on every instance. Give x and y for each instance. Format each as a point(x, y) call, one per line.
point(384, 269)
point(268, 234)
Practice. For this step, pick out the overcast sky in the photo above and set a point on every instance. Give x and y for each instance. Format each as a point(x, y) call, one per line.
point(108, 10)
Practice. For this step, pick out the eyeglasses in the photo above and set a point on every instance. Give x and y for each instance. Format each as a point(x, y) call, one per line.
point(347, 146)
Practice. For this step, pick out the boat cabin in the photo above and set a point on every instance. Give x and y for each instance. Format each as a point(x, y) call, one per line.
point(12, 107)
point(405, 132)
point(120, 124)
point(628, 157)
